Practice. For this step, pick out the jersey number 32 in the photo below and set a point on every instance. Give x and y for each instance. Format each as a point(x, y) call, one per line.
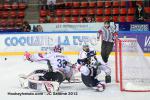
point(61, 63)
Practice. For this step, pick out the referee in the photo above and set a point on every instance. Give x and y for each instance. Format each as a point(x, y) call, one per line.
point(107, 32)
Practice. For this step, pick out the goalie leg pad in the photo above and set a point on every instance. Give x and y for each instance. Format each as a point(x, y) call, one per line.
point(54, 76)
point(49, 86)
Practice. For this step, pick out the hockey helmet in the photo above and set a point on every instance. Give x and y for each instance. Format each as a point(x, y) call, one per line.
point(57, 48)
point(86, 47)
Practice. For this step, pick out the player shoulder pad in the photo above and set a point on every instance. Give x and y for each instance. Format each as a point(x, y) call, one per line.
point(91, 53)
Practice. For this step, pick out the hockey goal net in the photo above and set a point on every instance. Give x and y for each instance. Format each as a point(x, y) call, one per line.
point(132, 67)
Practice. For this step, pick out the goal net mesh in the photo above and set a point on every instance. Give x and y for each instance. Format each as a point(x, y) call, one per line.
point(134, 66)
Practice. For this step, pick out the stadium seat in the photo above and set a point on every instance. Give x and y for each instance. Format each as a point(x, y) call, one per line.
point(67, 12)
point(115, 18)
point(147, 10)
point(1, 6)
point(92, 4)
point(19, 22)
point(13, 14)
point(115, 3)
point(68, 4)
point(67, 20)
point(84, 4)
point(75, 12)
point(5, 14)
point(123, 11)
point(106, 18)
point(122, 19)
point(59, 12)
point(115, 11)
point(91, 11)
point(76, 4)
point(123, 3)
point(52, 20)
point(99, 4)
point(21, 14)
point(3, 23)
point(83, 12)
point(21, 6)
point(6, 6)
point(107, 11)
point(42, 20)
point(131, 11)
point(99, 19)
point(11, 23)
point(107, 4)
point(58, 20)
point(1, 14)
point(130, 19)
point(99, 11)
point(43, 13)
point(81, 19)
point(74, 20)
point(14, 6)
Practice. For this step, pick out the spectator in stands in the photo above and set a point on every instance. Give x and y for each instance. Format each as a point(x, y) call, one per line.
point(39, 28)
point(51, 6)
point(26, 27)
point(84, 20)
point(43, 4)
point(34, 28)
point(91, 19)
point(139, 14)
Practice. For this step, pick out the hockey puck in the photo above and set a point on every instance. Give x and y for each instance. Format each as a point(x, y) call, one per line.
point(5, 58)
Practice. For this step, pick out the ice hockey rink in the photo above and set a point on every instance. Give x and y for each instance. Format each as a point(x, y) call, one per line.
point(11, 67)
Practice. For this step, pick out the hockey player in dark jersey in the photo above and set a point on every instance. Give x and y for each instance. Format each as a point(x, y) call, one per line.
point(90, 67)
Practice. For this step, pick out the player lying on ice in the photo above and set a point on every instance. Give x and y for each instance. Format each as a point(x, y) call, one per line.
point(59, 69)
point(90, 67)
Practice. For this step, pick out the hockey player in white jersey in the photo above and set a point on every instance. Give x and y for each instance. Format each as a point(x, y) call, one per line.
point(90, 67)
point(59, 66)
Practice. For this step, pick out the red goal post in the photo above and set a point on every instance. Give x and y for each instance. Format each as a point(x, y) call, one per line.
point(131, 66)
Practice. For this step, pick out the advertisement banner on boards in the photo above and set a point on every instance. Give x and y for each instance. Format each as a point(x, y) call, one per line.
point(61, 27)
point(143, 38)
point(44, 41)
point(134, 26)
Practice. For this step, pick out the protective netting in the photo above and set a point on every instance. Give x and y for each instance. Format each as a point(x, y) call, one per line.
point(135, 66)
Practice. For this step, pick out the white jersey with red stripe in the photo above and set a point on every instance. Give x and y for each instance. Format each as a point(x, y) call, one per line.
point(57, 61)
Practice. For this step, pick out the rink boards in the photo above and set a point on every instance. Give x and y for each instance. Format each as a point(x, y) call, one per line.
point(16, 43)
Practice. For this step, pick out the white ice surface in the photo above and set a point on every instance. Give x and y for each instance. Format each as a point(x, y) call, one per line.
point(13, 66)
